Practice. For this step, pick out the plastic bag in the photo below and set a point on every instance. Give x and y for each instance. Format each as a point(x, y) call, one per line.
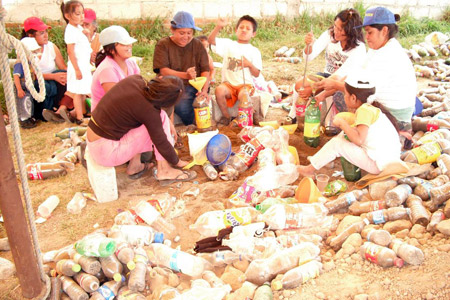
point(335, 188)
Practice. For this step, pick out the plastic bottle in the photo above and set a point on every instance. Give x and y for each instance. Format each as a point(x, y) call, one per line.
point(202, 113)
point(87, 282)
point(378, 236)
point(179, 261)
point(377, 190)
point(222, 258)
point(96, 245)
point(357, 227)
point(443, 162)
point(125, 254)
point(438, 195)
point(409, 253)
point(380, 255)
point(299, 275)
point(89, 265)
point(427, 153)
point(435, 219)
point(77, 203)
point(153, 218)
point(300, 109)
point(311, 135)
point(64, 134)
point(111, 267)
point(67, 267)
point(210, 171)
point(212, 279)
point(345, 200)
point(245, 110)
point(434, 136)
point(262, 270)
point(447, 209)
point(358, 208)
point(127, 217)
point(423, 190)
point(264, 292)
point(40, 171)
point(72, 289)
point(390, 214)
point(397, 195)
point(280, 51)
point(412, 181)
point(108, 290)
point(419, 214)
point(126, 294)
point(136, 235)
point(268, 202)
point(55, 292)
point(45, 208)
point(75, 138)
point(136, 281)
point(228, 172)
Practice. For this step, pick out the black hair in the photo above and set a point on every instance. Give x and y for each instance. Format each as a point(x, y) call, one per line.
point(350, 18)
point(250, 19)
point(392, 28)
point(69, 7)
point(108, 50)
point(202, 38)
point(363, 94)
point(29, 33)
point(164, 91)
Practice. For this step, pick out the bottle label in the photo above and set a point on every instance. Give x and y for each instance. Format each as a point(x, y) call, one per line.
point(35, 173)
point(427, 153)
point(350, 198)
point(249, 151)
point(427, 186)
point(300, 109)
point(173, 261)
point(106, 292)
point(244, 194)
point(147, 212)
point(372, 252)
point(431, 137)
point(232, 218)
point(202, 117)
point(377, 205)
point(312, 129)
point(432, 125)
point(155, 203)
point(378, 217)
point(245, 117)
point(441, 164)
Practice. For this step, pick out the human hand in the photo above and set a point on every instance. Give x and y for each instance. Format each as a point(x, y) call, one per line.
point(20, 93)
point(339, 122)
point(320, 97)
point(191, 73)
point(304, 92)
point(245, 63)
point(309, 38)
point(181, 163)
point(325, 84)
point(222, 22)
point(78, 75)
point(60, 77)
point(93, 55)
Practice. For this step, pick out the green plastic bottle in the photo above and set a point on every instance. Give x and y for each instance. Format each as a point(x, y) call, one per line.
point(64, 134)
point(351, 172)
point(96, 245)
point(311, 133)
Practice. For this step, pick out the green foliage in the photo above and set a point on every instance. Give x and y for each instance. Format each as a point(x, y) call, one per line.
point(2, 100)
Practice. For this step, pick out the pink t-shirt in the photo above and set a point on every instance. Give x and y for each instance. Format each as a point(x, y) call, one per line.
point(109, 71)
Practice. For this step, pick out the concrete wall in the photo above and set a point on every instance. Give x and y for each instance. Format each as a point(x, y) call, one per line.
point(18, 10)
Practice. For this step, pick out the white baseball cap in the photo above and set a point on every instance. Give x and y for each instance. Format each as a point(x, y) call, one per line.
point(30, 43)
point(359, 80)
point(115, 34)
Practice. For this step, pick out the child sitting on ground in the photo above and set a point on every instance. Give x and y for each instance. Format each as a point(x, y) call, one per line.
point(237, 55)
point(212, 71)
point(373, 140)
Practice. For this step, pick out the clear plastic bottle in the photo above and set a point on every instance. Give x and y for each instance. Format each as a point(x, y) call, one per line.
point(419, 214)
point(45, 208)
point(358, 208)
point(345, 200)
point(72, 289)
point(111, 267)
point(87, 282)
point(397, 195)
point(40, 171)
point(268, 202)
point(108, 290)
point(380, 255)
point(136, 235)
point(90, 265)
point(245, 110)
point(210, 171)
point(390, 214)
point(423, 190)
point(179, 261)
point(377, 190)
point(409, 253)
point(264, 292)
point(438, 196)
point(427, 153)
point(436, 218)
point(77, 203)
point(125, 254)
point(412, 181)
point(311, 135)
point(222, 258)
point(64, 134)
point(443, 162)
point(97, 245)
point(357, 227)
point(434, 136)
point(127, 217)
point(67, 267)
point(75, 138)
point(378, 236)
point(136, 281)
point(299, 275)
point(153, 218)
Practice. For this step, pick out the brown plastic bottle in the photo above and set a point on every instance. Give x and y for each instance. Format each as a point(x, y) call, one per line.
point(87, 282)
point(67, 267)
point(423, 190)
point(356, 227)
point(380, 255)
point(125, 254)
point(436, 217)
point(447, 209)
point(108, 290)
point(409, 253)
point(72, 289)
point(55, 293)
point(136, 282)
point(390, 214)
point(419, 214)
point(358, 208)
point(377, 190)
point(378, 236)
point(438, 195)
point(126, 294)
point(90, 265)
point(397, 195)
point(345, 200)
point(111, 266)
point(412, 181)
point(443, 162)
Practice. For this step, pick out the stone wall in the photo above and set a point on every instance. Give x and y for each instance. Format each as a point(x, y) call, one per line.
point(18, 10)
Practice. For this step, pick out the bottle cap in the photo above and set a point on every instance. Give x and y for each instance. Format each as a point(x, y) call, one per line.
point(76, 268)
point(117, 277)
point(276, 285)
point(131, 265)
point(159, 238)
point(398, 262)
point(258, 207)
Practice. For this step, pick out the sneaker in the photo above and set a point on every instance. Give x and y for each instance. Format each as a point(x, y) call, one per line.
point(51, 116)
point(27, 124)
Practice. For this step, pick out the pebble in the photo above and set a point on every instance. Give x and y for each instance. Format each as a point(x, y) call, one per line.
point(361, 297)
point(444, 227)
point(414, 242)
point(349, 261)
point(320, 295)
point(402, 234)
point(356, 257)
point(444, 248)
point(417, 231)
point(398, 225)
point(357, 267)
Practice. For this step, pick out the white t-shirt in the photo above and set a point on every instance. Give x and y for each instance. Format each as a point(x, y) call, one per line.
point(232, 52)
point(338, 61)
point(390, 69)
point(47, 62)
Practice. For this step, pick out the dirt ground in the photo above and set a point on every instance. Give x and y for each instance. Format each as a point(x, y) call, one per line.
point(343, 279)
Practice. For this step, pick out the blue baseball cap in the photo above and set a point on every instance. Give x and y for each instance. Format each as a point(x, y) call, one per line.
point(183, 19)
point(378, 15)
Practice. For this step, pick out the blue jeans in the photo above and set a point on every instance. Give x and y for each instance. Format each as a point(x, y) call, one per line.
point(184, 107)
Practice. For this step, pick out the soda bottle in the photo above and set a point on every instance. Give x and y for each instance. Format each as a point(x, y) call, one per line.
point(300, 109)
point(419, 214)
point(397, 195)
point(311, 133)
point(40, 171)
point(202, 113)
point(358, 208)
point(345, 200)
point(245, 110)
point(179, 261)
point(136, 281)
point(108, 290)
point(378, 236)
point(111, 267)
point(357, 227)
point(380, 255)
point(210, 171)
point(87, 282)
point(436, 218)
point(64, 134)
point(125, 254)
point(390, 214)
point(409, 253)
point(438, 196)
point(96, 245)
point(89, 265)
point(153, 218)
point(72, 289)
point(427, 153)
point(298, 275)
point(67, 267)
point(263, 292)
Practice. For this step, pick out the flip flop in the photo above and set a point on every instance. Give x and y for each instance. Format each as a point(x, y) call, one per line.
point(190, 175)
point(147, 166)
point(66, 115)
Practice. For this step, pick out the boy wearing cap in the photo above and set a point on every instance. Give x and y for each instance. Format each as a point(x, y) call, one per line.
point(185, 57)
point(241, 62)
point(90, 25)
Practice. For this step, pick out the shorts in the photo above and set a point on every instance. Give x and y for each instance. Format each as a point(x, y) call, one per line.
point(234, 92)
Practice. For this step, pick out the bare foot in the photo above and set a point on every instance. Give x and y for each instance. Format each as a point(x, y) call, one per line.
point(171, 174)
point(306, 171)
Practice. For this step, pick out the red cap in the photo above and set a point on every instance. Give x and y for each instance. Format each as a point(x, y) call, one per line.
point(89, 15)
point(398, 262)
point(34, 23)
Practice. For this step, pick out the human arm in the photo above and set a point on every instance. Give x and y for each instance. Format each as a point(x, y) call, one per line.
point(318, 45)
point(357, 135)
point(20, 91)
point(252, 68)
point(108, 85)
point(73, 60)
point(221, 23)
point(59, 60)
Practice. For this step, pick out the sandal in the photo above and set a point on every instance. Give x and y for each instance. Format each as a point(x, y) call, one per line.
point(190, 175)
point(147, 166)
